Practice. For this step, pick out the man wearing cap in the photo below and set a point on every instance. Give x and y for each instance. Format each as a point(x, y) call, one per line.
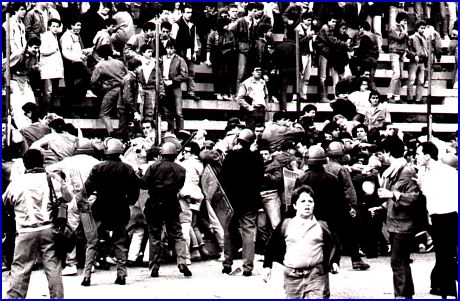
point(253, 98)
point(335, 150)
point(164, 179)
point(175, 72)
point(242, 176)
point(117, 187)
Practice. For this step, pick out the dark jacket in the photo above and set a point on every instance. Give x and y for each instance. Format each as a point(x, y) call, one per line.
point(150, 83)
point(326, 42)
point(185, 38)
point(243, 35)
point(221, 45)
point(178, 71)
point(129, 92)
point(276, 246)
point(117, 188)
point(344, 178)
point(368, 50)
point(164, 179)
point(34, 23)
point(417, 46)
point(242, 176)
point(273, 176)
point(397, 40)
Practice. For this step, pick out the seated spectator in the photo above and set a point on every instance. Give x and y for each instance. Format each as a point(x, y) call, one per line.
point(378, 114)
point(342, 104)
point(360, 99)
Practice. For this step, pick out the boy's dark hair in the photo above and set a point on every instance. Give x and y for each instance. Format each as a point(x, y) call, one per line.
point(194, 148)
point(133, 64)
point(148, 25)
point(429, 148)
point(71, 129)
point(186, 5)
point(365, 25)
point(57, 124)
point(298, 191)
point(402, 15)
point(279, 115)
point(394, 146)
point(33, 158)
point(263, 144)
point(74, 20)
point(171, 44)
point(374, 92)
point(251, 6)
point(308, 108)
point(34, 41)
point(419, 23)
point(359, 126)
point(15, 6)
point(104, 51)
point(307, 15)
point(109, 22)
point(166, 24)
point(54, 20)
point(144, 48)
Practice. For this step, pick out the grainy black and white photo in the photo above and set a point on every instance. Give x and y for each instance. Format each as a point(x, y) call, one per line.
point(229, 150)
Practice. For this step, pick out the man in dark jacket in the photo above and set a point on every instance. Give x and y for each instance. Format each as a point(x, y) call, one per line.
point(163, 180)
point(367, 53)
point(242, 176)
point(117, 187)
point(175, 71)
point(326, 42)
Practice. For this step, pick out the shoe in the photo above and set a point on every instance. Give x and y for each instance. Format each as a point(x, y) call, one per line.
point(184, 270)
point(120, 280)
point(155, 270)
point(360, 265)
point(325, 100)
point(70, 270)
point(193, 96)
point(90, 94)
point(226, 270)
point(226, 97)
point(429, 246)
point(219, 96)
point(361, 253)
point(86, 282)
point(247, 273)
point(195, 255)
point(203, 252)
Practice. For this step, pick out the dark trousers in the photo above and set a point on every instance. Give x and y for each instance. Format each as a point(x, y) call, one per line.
point(444, 233)
point(400, 255)
point(77, 81)
point(254, 117)
point(172, 108)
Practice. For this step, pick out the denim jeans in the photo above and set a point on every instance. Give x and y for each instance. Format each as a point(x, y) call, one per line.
point(397, 67)
point(50, 86)
point(400, 255)
point(247, 223)
point(417, 76)
point(453, 11)
point(322, 74)
point(306, 73)
point(173, 108)
point(376, 22)
point(215, 225)
point(28, 247)
point(241, 73)
point(306, 283)
point(109, 101)
point(272, 206)
point(148, 97)
point(191, 76)
point(254, 117)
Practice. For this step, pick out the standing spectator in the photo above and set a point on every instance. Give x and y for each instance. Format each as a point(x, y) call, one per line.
point(397, 40)
point(146, 37)
point(24, 69)
point(221, 56)
point(174, 73)
point(165, 32)
point(306, 36)
point(51, 65)
point(103, 38)
point(93, 20)
point(127, 106)
point(326, 43)
point(417, 53)
point(107, 77)
point(242, 176)
point(147, 79)
point(367, 53)
point(307, 249)
point(26, 196)
point(125, 26)
point(378, 115)
point(253, 98)
point(243, 29)
point(164, 179)
point(36, 20)
point(117, 187)
point(402, 201)
point(438, 183)
point(17, 29)
point(76, 74)
point(340, 59)
point(372, 12)
point(188, 45)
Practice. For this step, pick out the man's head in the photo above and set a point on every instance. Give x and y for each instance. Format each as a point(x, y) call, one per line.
point(401, 18)
point(54, 25)
point(149, 29)
point(359, 131)
point(316, 156)
point(134, 64)
point(170, 47)
point(104, 51)
point(75, 25)
point(340, 120)
point(147, 127)
point(147, 51)
point(309, 111)
point(364, 26)
point(393, 146)
point(33, 158)
point(233, 12)
point(246, 137)
point(187, 12)
point(166, 28)
point(251, 9)
point(264, 149)
point(260, 10)
point(307, 18)
point(374, 98)
point(257, 73)
point(259, 130)
point(18, 9)
point(420, 26)
point(192, 149)
point(426, 152)
point(363, 84)
point(303, 202)
point(332, 22)
point(110, 25)
point(33, 45)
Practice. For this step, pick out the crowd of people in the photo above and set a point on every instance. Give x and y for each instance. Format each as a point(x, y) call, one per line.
point(359, 186)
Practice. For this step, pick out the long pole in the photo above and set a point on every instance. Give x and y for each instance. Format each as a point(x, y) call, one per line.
point(428, 102)
point(297, 70)
point(8, 79)
point(157, 80)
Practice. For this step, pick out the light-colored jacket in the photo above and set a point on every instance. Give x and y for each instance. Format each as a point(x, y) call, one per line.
point(51, 65)
point(191, 189)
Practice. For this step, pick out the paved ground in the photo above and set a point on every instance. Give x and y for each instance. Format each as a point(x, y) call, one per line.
point(208, 282)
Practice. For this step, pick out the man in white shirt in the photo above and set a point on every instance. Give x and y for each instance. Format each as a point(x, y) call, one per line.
point(438, 183)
